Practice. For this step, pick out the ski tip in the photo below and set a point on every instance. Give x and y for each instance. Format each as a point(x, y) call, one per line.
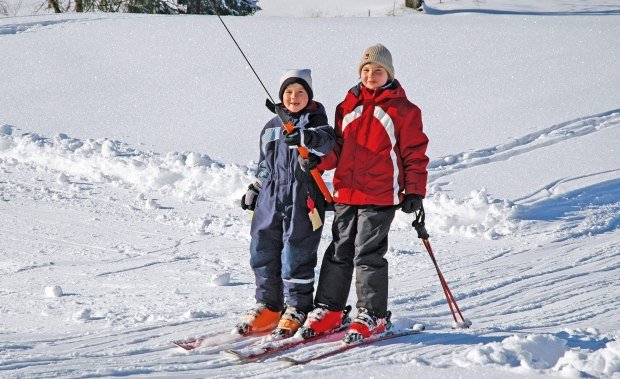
point(418, 327)
point(235, 332)
point(234, 353)
point(289, 360)
point(183, 345)
point(465, 324)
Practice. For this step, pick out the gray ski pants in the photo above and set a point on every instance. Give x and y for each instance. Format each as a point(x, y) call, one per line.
point(360, 241)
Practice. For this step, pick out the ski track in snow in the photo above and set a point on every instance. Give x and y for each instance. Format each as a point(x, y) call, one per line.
point(590, 204)
point(11, 29)
point(552, 135)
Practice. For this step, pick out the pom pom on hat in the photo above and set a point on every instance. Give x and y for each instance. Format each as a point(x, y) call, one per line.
point(378, 54)
point(303, 77)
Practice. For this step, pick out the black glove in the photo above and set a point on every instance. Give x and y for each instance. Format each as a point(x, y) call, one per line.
point(411, 203)
point(294, 138)
point(248, 201)
point(309, 163)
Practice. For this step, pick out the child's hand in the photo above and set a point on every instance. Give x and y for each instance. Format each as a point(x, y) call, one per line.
point(295, 137)
point(411, 203)
point(307, 164)
point(248, 201)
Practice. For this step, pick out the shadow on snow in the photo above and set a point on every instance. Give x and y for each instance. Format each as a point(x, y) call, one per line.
point(598, 195)
point(435, 11)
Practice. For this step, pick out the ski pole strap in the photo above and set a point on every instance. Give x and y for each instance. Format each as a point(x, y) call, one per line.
point(418, 224)
point(270, 105)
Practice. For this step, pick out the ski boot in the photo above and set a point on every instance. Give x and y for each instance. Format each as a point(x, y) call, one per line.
point(366, 324)
point(258, 319)
point(322, 320)
point(289, 323)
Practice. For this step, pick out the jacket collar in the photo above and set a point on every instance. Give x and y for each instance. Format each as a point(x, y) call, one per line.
point(312, 106)
point(391, 90)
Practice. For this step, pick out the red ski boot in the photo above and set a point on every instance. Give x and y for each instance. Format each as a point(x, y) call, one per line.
point(322, 320)
point(366, 324)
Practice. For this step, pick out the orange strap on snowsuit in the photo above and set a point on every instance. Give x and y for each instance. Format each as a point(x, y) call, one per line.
point(288, 125)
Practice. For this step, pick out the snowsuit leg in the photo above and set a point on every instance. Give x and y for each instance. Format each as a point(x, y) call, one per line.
point(265, 250)
point(284, 246)
point(371, 268)
point(300, 246)
point(337, 266)
point(360, 241)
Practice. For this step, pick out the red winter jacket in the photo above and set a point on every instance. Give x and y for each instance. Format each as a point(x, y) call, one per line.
point(380, 148)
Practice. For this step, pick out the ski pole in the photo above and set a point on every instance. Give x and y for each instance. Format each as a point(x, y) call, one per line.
point(288, 125)
point(420, 227)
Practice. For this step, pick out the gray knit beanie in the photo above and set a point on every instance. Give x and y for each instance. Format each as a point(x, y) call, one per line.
point(303, 77)
point(377, 54)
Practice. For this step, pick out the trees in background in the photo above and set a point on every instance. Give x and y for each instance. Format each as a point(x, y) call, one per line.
point(10, 8)
point(415, 4)
point(223, 7)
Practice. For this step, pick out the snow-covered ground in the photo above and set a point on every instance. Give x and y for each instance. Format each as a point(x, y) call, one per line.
point(126, 142)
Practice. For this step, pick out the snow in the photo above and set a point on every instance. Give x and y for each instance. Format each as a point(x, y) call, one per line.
point(126, 142)
point(220, 279)
point(544, 352)
point(53, 291)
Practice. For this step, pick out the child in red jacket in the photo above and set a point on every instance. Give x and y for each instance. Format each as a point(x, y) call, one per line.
point(380, 164)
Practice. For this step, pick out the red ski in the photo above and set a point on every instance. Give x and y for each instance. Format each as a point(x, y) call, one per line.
point(190, 344)
point(195, 343)
point(342, 348)
point(263, 350)
point(266, 348)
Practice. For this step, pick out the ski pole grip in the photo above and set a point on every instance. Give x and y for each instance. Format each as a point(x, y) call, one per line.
point(418, 224)
point(316, 175)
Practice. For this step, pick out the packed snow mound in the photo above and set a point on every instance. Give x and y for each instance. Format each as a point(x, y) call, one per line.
point(531, 351)
point(190, 176)
point(53, 291)
point(477, 216)
point(599, 363)
point(595, 355)
point(193, 176)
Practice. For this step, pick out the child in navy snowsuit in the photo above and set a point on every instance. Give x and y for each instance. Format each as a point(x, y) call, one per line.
point(284, 243)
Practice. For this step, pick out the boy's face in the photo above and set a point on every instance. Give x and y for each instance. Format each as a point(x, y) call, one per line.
point(295, 97)
point(374, 75)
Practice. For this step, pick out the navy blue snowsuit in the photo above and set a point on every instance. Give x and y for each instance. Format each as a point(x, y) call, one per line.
point(284, 246)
